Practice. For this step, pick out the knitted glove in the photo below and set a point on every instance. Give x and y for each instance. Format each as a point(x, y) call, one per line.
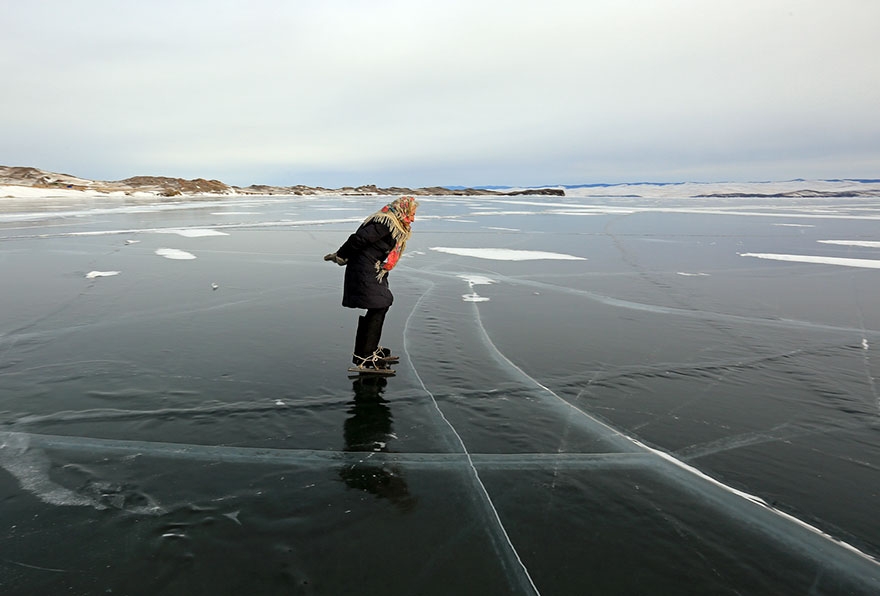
point(338, 260)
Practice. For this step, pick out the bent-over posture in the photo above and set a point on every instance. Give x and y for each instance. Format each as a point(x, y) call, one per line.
point(368, 255)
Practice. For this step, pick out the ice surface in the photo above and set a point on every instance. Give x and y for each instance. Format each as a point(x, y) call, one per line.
point(646, 408)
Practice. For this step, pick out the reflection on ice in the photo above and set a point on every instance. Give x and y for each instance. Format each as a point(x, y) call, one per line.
point(369, 429)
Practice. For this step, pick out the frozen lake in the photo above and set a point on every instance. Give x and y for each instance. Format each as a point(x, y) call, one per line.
point(595, 396)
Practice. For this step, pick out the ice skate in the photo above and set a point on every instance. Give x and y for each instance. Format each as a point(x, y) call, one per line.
point(385, 355)
point(374, 364)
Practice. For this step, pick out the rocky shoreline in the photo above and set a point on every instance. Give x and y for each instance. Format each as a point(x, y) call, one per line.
point(172, 187)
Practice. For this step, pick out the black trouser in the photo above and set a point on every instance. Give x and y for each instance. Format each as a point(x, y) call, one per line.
point(369, 331)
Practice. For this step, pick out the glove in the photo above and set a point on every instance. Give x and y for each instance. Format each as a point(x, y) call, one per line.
point(338, 260)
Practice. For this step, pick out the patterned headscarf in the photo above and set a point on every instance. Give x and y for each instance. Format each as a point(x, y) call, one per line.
point(398, 216)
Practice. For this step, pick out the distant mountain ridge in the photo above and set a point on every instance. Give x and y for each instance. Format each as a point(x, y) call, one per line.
point(839, 188)
point(794, 194)
point(171, 187)
point(32, 178)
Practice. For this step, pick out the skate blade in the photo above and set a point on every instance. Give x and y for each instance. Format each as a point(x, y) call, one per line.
point(384, 372)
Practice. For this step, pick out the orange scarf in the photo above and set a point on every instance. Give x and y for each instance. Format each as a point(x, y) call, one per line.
point(398, 216)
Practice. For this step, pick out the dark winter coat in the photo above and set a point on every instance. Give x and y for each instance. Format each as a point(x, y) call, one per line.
point(370, 244)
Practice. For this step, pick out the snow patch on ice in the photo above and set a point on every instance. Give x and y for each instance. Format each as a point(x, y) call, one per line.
point(503, 229)
point(844, 262)
point(185, 232)
point(196, 232)
point(108, 233)
point(234, 516)
point(94, 274)
point(506, 254)
point(176, 254)
point(862, 243)
point(31, 468)
point(475, 280)
point(686, 274)
point(192, 232)
point(787, 225)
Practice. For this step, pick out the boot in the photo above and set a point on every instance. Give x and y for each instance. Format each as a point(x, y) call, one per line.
point(385, 354)
point(367, 351)
point(371, 362)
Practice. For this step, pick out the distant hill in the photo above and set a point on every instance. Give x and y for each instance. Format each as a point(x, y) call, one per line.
point(170, 187)
point(162, 186)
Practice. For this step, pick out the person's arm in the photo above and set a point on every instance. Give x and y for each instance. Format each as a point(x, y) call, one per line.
point(365, 236)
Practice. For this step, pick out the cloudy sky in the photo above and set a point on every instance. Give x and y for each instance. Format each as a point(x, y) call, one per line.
point(445, 92)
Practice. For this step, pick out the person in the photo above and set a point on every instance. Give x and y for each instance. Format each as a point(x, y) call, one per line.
point(368, 255)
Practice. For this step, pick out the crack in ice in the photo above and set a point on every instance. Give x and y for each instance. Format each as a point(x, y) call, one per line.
point(688, 471)
point(518, 567)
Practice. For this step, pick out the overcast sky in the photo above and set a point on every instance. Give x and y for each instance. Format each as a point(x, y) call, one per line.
point(445, 92)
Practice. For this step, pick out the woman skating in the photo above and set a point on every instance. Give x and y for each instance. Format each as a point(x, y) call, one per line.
point(368, 255)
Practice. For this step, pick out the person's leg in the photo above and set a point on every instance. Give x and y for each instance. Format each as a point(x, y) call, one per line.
point(369, 332)
point(373, 321)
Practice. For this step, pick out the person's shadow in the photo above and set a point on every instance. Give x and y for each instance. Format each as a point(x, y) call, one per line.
point(369, 429)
